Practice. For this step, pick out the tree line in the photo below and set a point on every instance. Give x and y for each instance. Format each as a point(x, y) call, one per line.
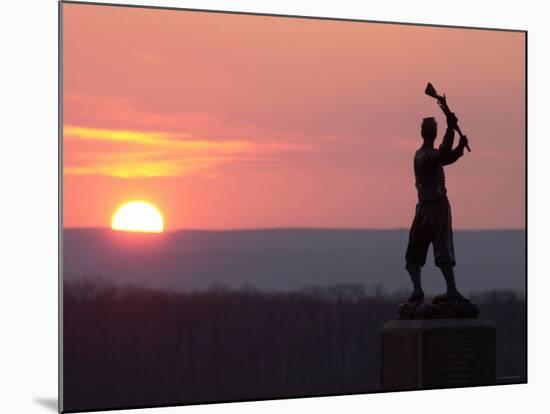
point(132, 346)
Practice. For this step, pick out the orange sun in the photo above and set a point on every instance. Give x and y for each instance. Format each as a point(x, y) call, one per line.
point(138, 216)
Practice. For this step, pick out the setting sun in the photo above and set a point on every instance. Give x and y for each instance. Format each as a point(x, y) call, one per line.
point(138, 216)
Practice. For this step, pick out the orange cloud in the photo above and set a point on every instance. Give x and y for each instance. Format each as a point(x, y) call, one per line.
point(132, 153)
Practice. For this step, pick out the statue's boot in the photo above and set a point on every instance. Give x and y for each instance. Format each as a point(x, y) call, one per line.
point(452, 291)
point(417, 294)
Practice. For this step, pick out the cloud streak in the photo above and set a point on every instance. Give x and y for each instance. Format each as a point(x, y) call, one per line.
point(132, 153)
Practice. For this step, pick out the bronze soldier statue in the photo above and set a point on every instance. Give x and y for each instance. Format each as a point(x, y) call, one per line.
point(432, 221)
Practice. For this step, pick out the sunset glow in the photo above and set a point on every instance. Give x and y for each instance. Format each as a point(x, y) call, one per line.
point(284, 122)
point(138, 216)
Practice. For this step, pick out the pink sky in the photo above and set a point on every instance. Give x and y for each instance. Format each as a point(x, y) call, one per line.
point(237, 121)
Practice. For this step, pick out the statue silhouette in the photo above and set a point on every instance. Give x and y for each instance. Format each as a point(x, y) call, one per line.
point(432, 222)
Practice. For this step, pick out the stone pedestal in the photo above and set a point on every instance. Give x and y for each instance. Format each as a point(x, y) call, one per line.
point(437, 353)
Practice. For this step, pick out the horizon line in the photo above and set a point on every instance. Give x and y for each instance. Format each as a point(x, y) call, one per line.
point(308, 228)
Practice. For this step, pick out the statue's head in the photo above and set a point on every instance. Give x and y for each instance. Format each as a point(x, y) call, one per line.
point(429, 129)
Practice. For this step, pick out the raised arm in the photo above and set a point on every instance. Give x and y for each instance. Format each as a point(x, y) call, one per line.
point(453, 156)
point(446, 147)
point(448, 155)
point(457, 152)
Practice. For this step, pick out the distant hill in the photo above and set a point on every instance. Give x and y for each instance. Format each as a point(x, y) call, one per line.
point(287, 259)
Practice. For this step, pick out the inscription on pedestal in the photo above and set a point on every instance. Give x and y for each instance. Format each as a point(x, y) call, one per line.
point(458, 357)
point(437, 353)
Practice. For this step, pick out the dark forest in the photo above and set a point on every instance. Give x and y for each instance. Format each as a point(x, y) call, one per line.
point(131, 346)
